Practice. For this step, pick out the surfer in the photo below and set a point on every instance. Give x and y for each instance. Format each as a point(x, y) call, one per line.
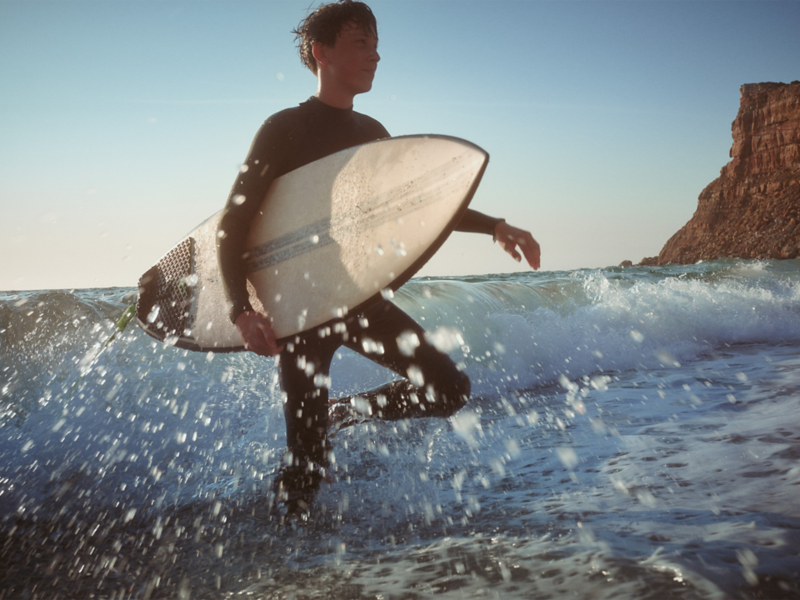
point(338, 42)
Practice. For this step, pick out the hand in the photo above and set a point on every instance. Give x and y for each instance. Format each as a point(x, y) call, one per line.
point(257, 334)
point(510, 237)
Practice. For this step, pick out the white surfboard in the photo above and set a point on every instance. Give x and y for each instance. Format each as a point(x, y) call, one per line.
point(331, 236)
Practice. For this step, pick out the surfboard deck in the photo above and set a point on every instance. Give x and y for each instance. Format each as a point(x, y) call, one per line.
point(330, 237)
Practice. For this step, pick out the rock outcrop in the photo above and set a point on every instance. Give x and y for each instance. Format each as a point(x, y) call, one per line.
point(752, 210)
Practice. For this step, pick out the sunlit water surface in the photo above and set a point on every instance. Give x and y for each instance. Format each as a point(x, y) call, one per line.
point(633, 433)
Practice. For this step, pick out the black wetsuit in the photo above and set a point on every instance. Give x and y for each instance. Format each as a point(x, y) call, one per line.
point(286, 141)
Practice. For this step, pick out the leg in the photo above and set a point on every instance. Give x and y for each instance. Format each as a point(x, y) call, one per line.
point(433, 386)
point(304, 368)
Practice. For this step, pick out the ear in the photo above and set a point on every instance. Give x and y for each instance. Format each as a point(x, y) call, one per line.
point(319, 51)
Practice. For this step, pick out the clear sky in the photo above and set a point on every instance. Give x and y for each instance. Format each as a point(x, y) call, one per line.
point(123, 123)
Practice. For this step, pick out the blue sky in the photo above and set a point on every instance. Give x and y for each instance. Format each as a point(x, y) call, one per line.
point(123, 123)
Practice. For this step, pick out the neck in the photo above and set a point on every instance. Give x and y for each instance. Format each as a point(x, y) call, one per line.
point(333, 96)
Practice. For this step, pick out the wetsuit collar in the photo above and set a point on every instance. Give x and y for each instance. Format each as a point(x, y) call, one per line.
point(314, 101)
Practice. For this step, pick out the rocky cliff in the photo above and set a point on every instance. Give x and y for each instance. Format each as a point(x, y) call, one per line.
point(752, 210)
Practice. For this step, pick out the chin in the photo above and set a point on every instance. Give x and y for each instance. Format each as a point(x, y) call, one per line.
point(364, 89)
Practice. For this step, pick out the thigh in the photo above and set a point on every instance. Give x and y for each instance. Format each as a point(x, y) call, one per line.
point(394, 340)
point(401, 341)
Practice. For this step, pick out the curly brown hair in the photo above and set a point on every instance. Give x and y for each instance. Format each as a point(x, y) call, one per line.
point(326, 22)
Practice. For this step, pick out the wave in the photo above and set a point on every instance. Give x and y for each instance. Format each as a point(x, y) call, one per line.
point(509, 331)
point(119, 436)
point(528, 330)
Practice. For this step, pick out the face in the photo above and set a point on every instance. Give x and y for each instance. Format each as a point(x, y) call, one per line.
point(351, 62)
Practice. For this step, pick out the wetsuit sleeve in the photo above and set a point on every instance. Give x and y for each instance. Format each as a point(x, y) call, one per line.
point(475, 222)
point(264, 163)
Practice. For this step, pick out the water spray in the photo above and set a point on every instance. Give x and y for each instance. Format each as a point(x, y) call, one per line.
point(119, 327)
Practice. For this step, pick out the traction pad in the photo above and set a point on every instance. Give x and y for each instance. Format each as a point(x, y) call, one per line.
point(164, 308)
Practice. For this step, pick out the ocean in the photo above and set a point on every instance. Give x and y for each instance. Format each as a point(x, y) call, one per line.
point(633, 433)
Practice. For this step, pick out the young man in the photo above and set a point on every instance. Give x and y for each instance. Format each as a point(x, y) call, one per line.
point(339, 43)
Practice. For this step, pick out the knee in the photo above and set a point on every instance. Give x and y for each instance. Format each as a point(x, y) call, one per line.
point(453, 394)
point(463, 389)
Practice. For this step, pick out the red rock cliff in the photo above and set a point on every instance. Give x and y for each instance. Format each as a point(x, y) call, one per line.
point(752, 210)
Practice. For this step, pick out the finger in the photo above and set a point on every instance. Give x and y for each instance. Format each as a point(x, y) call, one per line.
point(532, 252)
point(254, 341)
point(532, 256)
point(257, 347)
point(270, 344)
point(510, 247)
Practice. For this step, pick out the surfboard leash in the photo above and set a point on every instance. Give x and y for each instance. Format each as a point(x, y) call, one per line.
point(119, 327)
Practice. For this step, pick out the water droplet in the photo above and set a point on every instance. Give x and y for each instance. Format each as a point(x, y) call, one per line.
point(415, 376)
point(665, 358)
point(407, 343)
point(512, 448)
point(445, 339)
point(370, 346)
point(465, 423)
point(567, 456)
point(322, 381)
point(361, 405)
point(151, 318)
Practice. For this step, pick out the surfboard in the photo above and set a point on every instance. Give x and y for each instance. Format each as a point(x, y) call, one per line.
point(332, 237)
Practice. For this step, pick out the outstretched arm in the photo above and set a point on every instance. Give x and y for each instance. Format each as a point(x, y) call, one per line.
point(509, 237)
point(514, 240)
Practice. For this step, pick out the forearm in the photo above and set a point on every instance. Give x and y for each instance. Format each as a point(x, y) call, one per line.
point(231, 235)
point(476, 222)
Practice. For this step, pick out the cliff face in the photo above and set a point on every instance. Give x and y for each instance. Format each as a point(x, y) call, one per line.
point(752, 210)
